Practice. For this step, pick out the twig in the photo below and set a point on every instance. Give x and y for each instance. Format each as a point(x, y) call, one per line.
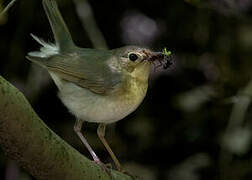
point(86, 16)
point(7, 8)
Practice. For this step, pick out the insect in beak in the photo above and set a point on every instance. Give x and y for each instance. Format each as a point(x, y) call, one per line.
point(164, 58)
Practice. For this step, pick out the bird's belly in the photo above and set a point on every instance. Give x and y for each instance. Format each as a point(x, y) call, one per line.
point(91, 107)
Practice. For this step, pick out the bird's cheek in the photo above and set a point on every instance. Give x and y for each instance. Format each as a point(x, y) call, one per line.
point(142, 70)
point(129, 67)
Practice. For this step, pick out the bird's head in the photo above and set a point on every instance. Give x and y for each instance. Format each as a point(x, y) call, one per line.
point(136, 61)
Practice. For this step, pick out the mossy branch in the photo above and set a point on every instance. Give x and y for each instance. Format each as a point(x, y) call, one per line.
point(25, 138)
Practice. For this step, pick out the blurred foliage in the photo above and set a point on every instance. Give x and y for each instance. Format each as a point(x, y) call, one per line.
point(2, 18)
point(195, 122)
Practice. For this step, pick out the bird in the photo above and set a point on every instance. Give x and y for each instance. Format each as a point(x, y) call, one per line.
point(99, 86)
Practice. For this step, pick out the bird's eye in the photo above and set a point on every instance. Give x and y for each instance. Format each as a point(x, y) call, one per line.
point(133, 56)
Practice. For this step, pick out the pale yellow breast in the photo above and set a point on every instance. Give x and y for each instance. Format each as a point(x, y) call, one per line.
point(92, 107)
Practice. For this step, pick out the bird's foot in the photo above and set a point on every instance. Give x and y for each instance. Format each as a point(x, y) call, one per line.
point(104, 167)
point(129, 174)
point(109, 165)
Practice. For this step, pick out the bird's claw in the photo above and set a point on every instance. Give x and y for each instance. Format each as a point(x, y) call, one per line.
point(109, 165)
point(105, 168)
point(129, 174)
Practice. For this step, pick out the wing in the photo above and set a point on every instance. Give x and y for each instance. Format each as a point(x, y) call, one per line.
point(87, 68)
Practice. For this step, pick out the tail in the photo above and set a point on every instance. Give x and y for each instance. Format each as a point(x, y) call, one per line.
point(61, 34)
point(64, 42)
point(47, 50)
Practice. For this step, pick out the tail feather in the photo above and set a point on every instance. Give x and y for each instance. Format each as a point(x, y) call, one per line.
point(40, 41)
point(61, 33)
point(64, 42)
point(47, 49)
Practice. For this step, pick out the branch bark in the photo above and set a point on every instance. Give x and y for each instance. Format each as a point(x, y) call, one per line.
point(25, 138)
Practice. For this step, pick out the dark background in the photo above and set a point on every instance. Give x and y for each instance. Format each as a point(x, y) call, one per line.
point(195, 122)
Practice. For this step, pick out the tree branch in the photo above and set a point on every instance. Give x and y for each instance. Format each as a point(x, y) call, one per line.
point(25, 138)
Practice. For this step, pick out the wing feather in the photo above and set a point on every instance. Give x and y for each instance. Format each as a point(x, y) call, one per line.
point(90, 72)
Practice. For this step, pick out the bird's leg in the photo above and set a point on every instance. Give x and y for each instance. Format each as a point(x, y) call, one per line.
point(101, 135)
point(77, 129)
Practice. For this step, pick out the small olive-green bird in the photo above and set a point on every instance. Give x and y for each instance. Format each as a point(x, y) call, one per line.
point(101, 86)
